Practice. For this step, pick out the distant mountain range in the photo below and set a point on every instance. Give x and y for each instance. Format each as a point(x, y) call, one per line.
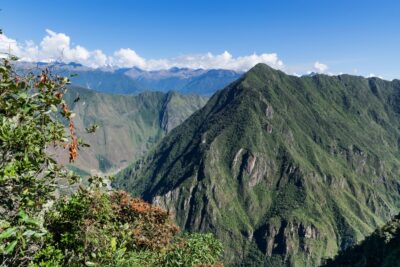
point(135, 80)
point(128, 125)
point(285, 170)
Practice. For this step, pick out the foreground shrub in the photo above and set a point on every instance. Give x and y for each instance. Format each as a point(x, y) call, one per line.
point(97, 228)
point(28, 175)
point(92, 227)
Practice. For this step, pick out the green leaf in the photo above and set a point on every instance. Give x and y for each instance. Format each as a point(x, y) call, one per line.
point(22, 215)
point(10, 247)
point(5, 84)
point(25, 218)
point(113, 244)
point(29, 233)
point(23, 95)
point(4, 224)
point(53, 108)
point(33, 222)
point(37, 235)
point(8, 233)
point(89, 263)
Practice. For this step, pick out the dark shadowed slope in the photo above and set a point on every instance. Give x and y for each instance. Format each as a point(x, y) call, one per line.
point(381, 249)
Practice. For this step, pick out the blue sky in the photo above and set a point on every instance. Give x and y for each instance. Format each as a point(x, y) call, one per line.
point(353, 36)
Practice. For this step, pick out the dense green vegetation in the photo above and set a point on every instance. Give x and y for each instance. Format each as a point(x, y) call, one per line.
point(129, 125)
point(284, 170)
point(97, 229)
point(382, 248)
point(89, 227)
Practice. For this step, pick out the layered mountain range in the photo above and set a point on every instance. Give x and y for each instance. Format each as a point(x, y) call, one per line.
point(134, 80)
point(128, 125)
point(286, 171)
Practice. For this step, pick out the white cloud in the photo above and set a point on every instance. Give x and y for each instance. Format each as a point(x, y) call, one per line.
point(220, 61)
point(126, 57)
point(372, 75)
point(55, 44)
point(57, 47)
point(53, 47)
point(8, 45)
point(320, 68)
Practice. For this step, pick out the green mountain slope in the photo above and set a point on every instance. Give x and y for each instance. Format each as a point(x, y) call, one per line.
point(381, 249)
point(285, 170)
point(129, 125)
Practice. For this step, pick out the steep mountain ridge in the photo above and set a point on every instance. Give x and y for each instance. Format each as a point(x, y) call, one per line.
point(285, 170)
point(129, 125)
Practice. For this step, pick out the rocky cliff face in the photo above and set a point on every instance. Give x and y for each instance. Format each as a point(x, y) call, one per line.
point(284, 170)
